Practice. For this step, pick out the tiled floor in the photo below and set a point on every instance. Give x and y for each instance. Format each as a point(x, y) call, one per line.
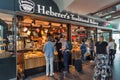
point(88, 70)
point(74, 75)
point(116, 67)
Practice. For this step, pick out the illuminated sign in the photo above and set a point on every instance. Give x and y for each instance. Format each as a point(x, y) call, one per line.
point(30, 7)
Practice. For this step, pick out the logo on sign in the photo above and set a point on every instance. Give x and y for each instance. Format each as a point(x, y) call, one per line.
point(27, 6)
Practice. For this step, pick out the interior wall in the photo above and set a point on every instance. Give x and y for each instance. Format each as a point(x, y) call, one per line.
point(117, 40)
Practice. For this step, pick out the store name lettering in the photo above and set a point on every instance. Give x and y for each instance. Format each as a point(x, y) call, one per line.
point(29, 7)
point(50, 12)
point(88, 20)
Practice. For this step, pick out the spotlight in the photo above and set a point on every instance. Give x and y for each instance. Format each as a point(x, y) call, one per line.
point(25, 29)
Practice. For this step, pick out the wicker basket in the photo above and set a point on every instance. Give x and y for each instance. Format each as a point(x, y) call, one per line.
point(34, 62)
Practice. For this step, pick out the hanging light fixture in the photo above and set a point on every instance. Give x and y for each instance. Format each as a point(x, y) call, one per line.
point(46, 30)
point(25, 29)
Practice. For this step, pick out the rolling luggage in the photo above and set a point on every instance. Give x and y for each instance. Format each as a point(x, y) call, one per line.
point(78, 65)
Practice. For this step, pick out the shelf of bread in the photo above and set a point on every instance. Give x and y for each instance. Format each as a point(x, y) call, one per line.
point(2, 45)
point(4, 54)
point(76, 53)
point(33, 54)
point(2, 51)
point(1, 39)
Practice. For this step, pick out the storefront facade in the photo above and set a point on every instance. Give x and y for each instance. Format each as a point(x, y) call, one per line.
point(33, 20)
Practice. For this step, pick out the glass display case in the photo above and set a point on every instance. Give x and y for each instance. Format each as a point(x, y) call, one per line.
point(6, 36)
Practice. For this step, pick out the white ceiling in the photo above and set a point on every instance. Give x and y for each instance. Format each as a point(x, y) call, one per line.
point(89, 6)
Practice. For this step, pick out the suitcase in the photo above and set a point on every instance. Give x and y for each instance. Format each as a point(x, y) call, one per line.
point(78, 65)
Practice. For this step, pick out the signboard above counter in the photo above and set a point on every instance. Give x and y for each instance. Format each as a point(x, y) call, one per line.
point(47, 8)
point(52, 10)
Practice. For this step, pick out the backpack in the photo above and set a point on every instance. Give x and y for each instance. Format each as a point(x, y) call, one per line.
point(69, 46)
point(83, 48)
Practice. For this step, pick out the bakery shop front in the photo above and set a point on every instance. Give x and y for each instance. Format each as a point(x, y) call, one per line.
point(32, 21)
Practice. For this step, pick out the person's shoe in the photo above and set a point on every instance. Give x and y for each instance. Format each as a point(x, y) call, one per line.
point(47, 75)
point(51, 75)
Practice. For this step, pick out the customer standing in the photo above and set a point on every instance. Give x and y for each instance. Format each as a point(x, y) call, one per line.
point(49, 56)
point(101, 61)
point(115, 47)
point(60, 55)
point(92, 48)
point(65, 54)
point(111, 46)
point(83, 49)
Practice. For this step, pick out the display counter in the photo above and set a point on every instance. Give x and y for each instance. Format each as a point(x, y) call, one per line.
point(35, 59)
point(3, 52)
point(76, 52)
point(32, 62)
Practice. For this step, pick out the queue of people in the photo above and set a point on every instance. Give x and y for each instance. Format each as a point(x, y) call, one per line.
point(105, 54)
point(63, 48)
point(102, 52)
point(101, 62)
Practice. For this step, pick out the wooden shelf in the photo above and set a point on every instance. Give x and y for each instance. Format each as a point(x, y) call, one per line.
point(1, 39)
point(2, 45)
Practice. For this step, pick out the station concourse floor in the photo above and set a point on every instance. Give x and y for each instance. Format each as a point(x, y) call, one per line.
point(88, 71)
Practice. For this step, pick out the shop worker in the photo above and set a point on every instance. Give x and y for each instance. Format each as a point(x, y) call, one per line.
point(60, 55)
point(101, 60)
point(66, 54)
point(49, 56)
point(83, 49)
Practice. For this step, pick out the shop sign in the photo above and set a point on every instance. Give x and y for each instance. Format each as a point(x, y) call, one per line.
point(30, 7)
point(27, 6)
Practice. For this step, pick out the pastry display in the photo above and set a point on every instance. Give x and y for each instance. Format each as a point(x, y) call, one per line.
point(2, 45)
point(2, 51)
point(1, 39)
point(33, 54)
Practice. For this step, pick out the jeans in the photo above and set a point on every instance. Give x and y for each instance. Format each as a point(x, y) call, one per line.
point(66, 61)
point(60, 63)
point(49, 65)
point(92, 54)
point(114, 54)
point(82, 57)
point(111, 56)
